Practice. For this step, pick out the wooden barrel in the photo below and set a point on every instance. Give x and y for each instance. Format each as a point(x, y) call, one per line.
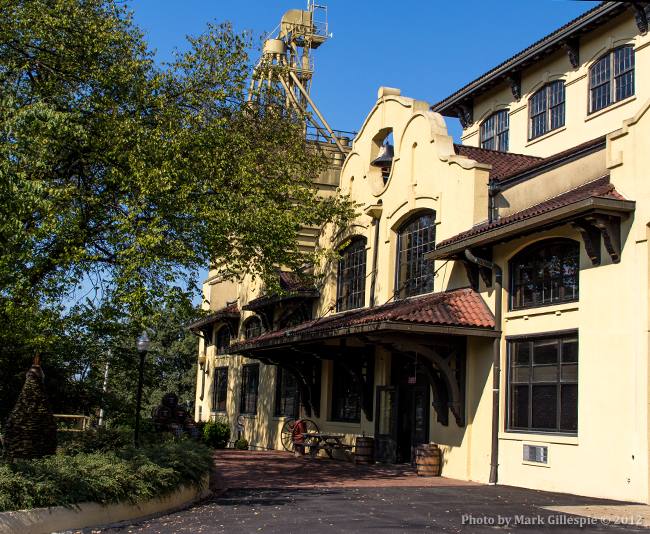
point(161, 412)
point(180, 413)
point(170, 399)
point(189, 423)
point(173, 426)
point(159, 425)
point(364, 450)
point(428, 460)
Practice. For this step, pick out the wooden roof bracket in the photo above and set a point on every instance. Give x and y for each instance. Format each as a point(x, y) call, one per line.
point(595, 225)
point(572, 47)
point(514, 79)
point(641, 12)
point(307, 372)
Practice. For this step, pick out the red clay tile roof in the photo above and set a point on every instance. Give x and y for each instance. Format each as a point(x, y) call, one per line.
point(459, 307)
point(608, 9)
point(289, 283)
point(502, 162)
point(228, 311)
point(597, 188)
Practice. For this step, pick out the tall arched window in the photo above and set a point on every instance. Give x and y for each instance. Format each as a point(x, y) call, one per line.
point(253, 328)
point(545, 273)
point(415, 239)
point(223, 339)
point(605, 89)
point(351, 287)
point(546, 110)
point(494, 132)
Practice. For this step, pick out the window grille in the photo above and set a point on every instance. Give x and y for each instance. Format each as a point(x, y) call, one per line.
point(346, 396)
point(351, 287)
point(543, 384)
point(416, 238)
point(220, 392)
point(494, 132)
point(604, 90)
point(547, 110)
point(287, 396)
point(249, 388)
point(223, 339)
point(546, 273)
point(253, 328)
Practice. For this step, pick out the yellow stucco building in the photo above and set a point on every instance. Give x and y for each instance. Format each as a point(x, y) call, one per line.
point(492, 297)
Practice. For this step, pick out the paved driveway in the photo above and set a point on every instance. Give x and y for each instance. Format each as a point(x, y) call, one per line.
point(270, 492)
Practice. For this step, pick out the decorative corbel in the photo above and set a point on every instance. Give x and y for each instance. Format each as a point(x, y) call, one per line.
point(591, 239)
point(461, 117)
point(640, 15)
point(514, 79)
point(572, 47)
point(610, 228)
point(467, 112)
point(472, 272)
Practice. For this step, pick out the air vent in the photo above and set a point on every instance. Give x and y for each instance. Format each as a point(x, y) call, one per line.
point(536, 453)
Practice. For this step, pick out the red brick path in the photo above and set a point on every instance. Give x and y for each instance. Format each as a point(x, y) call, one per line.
point(278, 469)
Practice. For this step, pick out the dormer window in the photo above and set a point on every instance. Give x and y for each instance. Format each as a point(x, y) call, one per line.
point(603, 90)
point(494, 132)
point(546, 110)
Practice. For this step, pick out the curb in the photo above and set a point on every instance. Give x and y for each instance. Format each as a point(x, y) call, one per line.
point(85, 516)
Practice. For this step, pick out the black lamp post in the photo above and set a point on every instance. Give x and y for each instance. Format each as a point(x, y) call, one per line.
point(142, 343)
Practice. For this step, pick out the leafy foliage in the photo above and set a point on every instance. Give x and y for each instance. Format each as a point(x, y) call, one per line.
point(216, 435)
point(241, 444)
point(114, 473)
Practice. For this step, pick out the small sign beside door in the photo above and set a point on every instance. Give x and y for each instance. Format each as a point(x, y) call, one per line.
point(412, 380)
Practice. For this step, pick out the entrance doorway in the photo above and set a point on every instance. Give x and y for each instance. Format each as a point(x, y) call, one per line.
point(402, 414)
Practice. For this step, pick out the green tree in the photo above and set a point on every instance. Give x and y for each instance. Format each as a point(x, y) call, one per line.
point(127, 175)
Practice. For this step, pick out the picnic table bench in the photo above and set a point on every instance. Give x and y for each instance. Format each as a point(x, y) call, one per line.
point(318, 441)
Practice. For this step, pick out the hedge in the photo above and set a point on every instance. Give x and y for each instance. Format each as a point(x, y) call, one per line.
point(123, 474)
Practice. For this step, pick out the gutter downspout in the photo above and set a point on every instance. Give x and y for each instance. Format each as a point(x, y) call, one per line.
point(496, 365)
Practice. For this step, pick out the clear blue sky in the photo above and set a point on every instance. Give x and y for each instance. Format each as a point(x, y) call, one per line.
point(427, 48)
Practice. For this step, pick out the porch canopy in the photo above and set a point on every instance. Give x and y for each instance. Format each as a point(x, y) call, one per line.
point(594, 209)
point(431, 330)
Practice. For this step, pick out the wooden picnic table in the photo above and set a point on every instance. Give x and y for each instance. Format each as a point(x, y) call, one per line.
point(317, 441)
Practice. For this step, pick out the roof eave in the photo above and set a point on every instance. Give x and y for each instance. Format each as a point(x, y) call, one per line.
point(536, 222)
point(211, 319)
point(533, 55)
point(387, 326)
point(252, 306)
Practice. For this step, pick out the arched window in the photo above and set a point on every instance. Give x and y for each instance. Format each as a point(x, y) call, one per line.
point(415, 239)
point(605, 89)
point(546, 110)
point(223, 339)
point(545, 273)
point(494, 132)
point(253, 328)
point(351, 287)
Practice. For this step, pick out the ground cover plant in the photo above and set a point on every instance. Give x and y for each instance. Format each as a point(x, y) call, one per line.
point(105, 468)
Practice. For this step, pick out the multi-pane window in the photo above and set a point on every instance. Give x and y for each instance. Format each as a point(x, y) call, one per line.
point(543, 384)
point(416, 238)
point(220, 392)
point(546, 110)
point(287, 397)
point(253, 328)
point(223, 339)
point(494, 132)
point(546, 273)
point(605, 89)
point(250, 379)
point(352, 277)
point(346, 396)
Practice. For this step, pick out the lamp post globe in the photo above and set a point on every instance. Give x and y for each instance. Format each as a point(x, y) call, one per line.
point(142, 344)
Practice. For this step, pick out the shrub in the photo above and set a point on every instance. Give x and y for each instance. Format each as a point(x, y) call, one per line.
point(241, 444)
point(124, 474)
point(216, 435)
